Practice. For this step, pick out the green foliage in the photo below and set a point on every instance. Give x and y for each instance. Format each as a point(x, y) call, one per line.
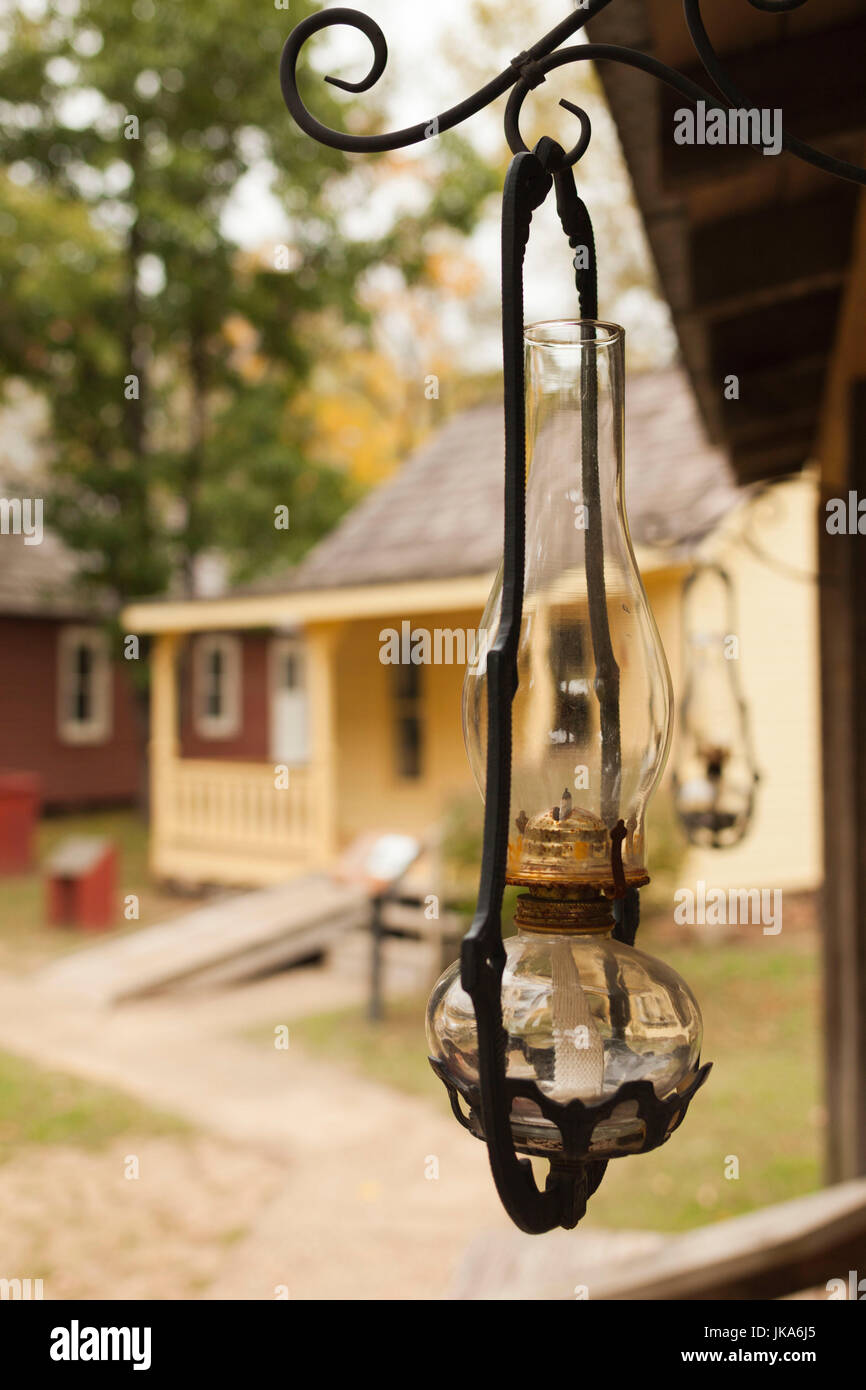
point(462, 841)
point(126, 135)
point(461, 847)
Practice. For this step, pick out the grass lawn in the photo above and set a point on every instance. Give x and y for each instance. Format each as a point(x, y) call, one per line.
point(760, 1105)
point(50, 1108)
point(25, 938)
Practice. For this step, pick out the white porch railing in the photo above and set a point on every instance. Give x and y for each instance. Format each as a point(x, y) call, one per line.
point(230, 822)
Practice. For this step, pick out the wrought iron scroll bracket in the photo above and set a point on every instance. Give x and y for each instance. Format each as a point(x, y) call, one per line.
point(524, 73)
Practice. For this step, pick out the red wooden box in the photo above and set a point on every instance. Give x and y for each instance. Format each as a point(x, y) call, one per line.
point(81, 883)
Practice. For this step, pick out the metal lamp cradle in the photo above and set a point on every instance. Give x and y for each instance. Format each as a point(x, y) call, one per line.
point(574, 1174)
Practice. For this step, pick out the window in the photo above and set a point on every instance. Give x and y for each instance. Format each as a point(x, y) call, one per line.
point(408, 727)
point(84, 687)
point(217, 686)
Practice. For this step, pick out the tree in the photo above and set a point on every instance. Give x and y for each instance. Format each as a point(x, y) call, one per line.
point(172, 360)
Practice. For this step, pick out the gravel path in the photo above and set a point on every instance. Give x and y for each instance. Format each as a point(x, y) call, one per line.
point(337, 1202)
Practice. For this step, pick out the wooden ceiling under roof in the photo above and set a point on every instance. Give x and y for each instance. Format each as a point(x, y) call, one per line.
point(754, 252)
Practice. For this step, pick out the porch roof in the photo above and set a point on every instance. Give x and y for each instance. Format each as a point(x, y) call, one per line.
point(754, 254)
point(287, 609)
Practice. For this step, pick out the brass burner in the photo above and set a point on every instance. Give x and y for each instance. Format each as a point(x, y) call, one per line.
point(565, 846)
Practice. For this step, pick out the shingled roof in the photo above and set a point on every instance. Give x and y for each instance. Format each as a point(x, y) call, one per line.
point(43, 581)
point(441, 515)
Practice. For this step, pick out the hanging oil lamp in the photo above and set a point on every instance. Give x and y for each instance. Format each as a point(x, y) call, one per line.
point(589, 1022)
point(715, 777)
point(578, 1047)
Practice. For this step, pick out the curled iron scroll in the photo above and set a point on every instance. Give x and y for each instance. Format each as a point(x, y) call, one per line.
point(523, 74)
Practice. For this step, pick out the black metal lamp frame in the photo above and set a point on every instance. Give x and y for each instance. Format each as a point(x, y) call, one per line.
point(574, 1173)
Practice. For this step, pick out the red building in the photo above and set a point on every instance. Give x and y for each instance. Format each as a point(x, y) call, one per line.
point(67, 708)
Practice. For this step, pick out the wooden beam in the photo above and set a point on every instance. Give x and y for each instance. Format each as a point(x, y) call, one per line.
point(779, 400)
point(778, 354)
point(843, 672)
point(816, 79)
point(780, 252)
point(766, 1254)
point(776, 1251)
point(754, 463)
point(763, 339)
point(773, 433)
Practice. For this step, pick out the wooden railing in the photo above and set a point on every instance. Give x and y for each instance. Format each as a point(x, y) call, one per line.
point(233, 822)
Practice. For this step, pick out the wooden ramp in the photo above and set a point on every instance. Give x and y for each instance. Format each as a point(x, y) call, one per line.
point(230, 940)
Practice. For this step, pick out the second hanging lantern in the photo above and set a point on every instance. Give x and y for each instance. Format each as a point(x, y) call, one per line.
point(715, 776)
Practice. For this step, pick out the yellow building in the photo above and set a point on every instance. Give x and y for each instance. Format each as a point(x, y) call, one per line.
point(281, 732)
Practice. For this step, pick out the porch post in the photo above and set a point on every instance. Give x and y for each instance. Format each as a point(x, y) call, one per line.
point(322, 641)
point(843, 672)
point(164, 746)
